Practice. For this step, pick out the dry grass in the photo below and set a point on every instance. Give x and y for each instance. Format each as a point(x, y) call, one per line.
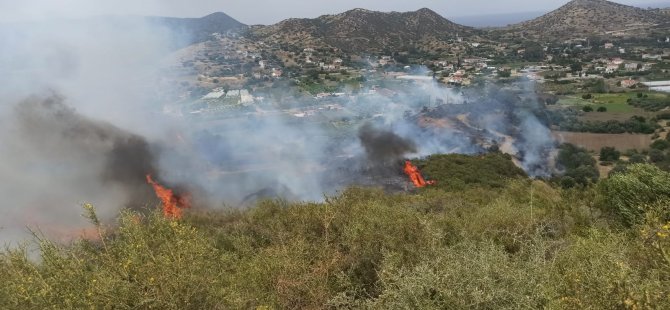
point(596, 141)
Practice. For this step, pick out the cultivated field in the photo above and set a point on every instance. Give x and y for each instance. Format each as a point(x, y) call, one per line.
point(616, 103)
point(596, 141)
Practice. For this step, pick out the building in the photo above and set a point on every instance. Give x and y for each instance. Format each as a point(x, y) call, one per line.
point(214, 94)
point(631, 66)
point(628, 83)
point(246, 97)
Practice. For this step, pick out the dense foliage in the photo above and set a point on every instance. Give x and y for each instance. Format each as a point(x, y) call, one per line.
point(509, 244)
point(578, 165)
point(568, 120)
point(458, 172)
point(654, 103)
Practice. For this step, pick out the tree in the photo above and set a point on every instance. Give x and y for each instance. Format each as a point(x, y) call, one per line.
point(504, 73)
point(660, 145)
point(637, 159)
point(576, 67)
point(656, 156)
point(609, 154)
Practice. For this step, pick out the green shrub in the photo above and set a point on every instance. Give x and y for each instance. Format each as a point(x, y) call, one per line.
point(458, 172)
point(609, 154)
point(630, 195)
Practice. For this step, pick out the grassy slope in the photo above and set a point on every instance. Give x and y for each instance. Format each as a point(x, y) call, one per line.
point(519, 245)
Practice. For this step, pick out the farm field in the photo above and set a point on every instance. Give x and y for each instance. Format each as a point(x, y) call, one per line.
point(595, 141)
point(617, 106)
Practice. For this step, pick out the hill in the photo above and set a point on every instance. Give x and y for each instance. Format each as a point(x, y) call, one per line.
point(583, 18)
point(523, 245)
point(364, 30)
point(196, 30)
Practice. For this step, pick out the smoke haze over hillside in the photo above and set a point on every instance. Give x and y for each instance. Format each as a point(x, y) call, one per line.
point(81, 122)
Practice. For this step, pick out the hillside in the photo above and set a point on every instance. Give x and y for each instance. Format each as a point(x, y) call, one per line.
point(516, 244)
point(196, 30)
point(582, 18)
point(363, 30)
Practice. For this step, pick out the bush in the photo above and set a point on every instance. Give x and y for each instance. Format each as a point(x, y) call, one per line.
point(630, 195)
point(609, 154)
point(587, 96)
point(656, 156)
point(602, 109)
point(458, 172)
point(587, 108)
point(637, 159)
point(579, 165)
point(660, 145)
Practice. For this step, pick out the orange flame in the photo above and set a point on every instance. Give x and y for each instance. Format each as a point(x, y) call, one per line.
point(415, 175)
point(172, 203)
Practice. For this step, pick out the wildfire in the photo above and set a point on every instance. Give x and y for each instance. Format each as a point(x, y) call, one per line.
point(172, 203)
point(415, 175)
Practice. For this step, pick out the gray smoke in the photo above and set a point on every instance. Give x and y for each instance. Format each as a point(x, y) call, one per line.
point(102, 129)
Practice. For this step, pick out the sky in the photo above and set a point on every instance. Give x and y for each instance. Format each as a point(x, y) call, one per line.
point(268, 11)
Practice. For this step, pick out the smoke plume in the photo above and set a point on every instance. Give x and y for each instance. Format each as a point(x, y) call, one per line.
point(82, 119)
point(384, 146)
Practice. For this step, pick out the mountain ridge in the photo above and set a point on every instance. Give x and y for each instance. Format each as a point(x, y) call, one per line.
point(361, 29)
point(587, 18)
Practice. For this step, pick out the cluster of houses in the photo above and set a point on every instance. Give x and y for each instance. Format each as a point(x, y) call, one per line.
point(613, 65)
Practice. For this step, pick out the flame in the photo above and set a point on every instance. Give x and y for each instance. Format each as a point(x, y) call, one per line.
point(172, 203)
point(415, 175)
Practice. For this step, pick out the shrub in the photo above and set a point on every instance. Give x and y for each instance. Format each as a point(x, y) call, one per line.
point(637, 159)
point(629, 195)
point(656, 156)
point(609, 154)
point(457, 172)
point(587, 96)
point(661, 145)
point(602, 109)
point(587, 108)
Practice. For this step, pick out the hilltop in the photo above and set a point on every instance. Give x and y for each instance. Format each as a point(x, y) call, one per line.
point(582, 18)
point(197, 30)
point(363, 30)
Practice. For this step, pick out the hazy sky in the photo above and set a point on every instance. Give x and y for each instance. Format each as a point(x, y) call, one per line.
point(267, 11)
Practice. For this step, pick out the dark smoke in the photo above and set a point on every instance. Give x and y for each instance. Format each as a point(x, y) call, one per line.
point(59, 132)
point(382, 146)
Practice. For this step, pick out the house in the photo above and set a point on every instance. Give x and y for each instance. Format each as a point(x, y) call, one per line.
point(611, 68)
point(616, 61)
point(631, 66)
point(246, 97)
point(652, 57)
point(234, 93)
point(215, 94)
point(608, 46)
point(628, 83)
